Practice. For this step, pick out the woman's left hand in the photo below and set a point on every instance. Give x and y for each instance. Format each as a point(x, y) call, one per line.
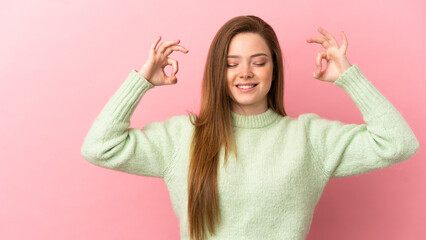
point(337, 63)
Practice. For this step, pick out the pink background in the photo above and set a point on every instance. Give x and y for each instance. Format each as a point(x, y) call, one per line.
point(61, 61)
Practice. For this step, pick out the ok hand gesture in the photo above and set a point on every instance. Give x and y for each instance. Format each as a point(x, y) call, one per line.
point(337, 63)
point(153, 69)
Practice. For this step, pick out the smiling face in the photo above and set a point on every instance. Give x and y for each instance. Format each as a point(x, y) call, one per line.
point(249, 61)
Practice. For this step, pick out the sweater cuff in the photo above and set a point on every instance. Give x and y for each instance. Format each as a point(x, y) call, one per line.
point(362, 91)
point(124, 101)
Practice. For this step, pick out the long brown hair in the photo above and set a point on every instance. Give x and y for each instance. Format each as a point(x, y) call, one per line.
point(213, 125)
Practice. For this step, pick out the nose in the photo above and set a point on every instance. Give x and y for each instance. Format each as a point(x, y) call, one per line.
point(246, 71)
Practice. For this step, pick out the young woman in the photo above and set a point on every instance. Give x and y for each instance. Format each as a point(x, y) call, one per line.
point(269, 187)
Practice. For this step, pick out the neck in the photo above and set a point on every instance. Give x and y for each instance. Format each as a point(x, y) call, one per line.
point(255, 121)
point(249, 109)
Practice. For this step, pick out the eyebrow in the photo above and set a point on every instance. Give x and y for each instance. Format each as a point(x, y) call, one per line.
point(254, 55)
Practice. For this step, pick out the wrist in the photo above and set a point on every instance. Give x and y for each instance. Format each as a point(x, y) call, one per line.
point(143, 74)
point(345, 65)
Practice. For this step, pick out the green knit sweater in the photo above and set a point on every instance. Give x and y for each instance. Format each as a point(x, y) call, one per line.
point(284, 163)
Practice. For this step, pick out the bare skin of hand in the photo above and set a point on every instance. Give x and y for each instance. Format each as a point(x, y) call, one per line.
point(337, 63)
point(153, 69)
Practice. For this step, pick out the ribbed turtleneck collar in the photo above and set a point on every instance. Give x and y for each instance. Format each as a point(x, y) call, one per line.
point(254, 121)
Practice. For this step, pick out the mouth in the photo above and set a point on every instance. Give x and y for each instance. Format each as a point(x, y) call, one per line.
point(245, 87)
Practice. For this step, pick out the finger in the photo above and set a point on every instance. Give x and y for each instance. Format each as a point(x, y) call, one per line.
point(344, 42)
point(154, 45)
point(175, 48)
point(167, 44)
point(317, 75)
point(175, 69)
point(328, 36)
point(322, 41)
point(174, 65)
point(318, 59)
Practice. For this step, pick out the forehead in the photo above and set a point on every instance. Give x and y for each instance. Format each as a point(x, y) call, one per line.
point(246, 44)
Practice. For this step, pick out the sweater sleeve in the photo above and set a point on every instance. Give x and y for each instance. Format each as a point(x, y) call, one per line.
point(110, 143)
point(383, 140)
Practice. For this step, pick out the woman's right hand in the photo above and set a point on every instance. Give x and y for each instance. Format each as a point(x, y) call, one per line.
point(153, 69)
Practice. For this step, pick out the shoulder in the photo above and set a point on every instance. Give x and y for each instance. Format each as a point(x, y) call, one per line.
point(314, 123)
point(314, 118)
point(183, 118)
point(180, 122)
point(306, 118)
point(311, 121)
point(174, 123)
point(174, 128)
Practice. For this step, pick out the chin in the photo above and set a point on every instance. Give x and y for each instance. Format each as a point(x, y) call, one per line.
point(246, 103)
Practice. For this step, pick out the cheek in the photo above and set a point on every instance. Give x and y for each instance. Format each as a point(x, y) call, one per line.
point(230, 74)
point(266, 75)
point(230, 79)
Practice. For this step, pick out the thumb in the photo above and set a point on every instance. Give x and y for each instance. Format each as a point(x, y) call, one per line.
point(172, 79)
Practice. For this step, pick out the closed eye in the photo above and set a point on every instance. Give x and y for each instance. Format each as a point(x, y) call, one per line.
point(257, 64)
